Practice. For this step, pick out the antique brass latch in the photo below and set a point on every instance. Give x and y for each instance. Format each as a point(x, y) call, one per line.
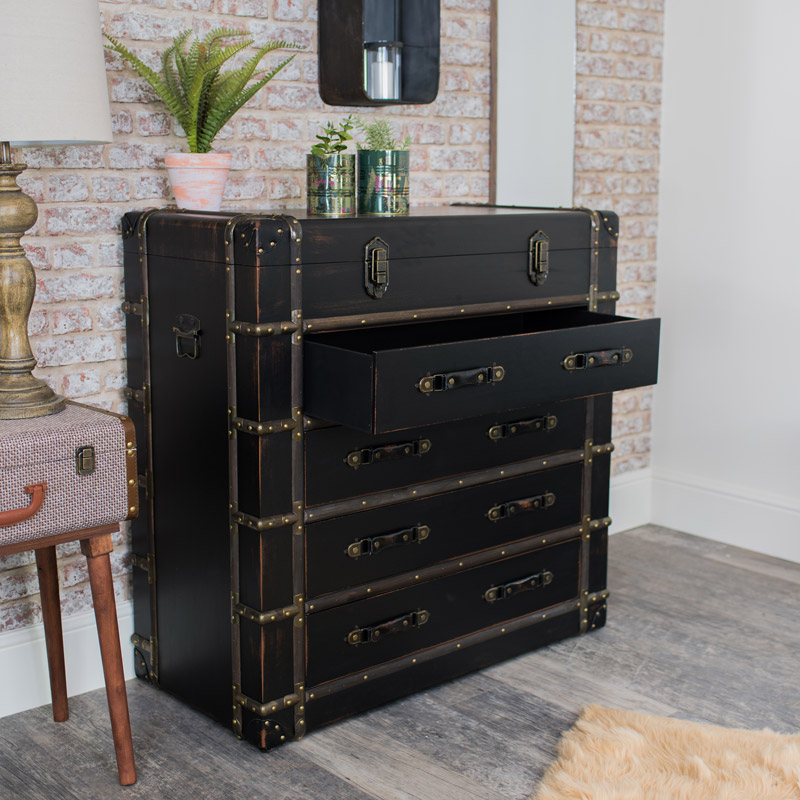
point(538, 258)
point(375, 633)
point(376, 268)
point(527, 584)
point(84, 460)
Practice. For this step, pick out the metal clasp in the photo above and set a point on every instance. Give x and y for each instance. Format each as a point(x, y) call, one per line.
point(376, 268)
point(85, 460)
point(538, 258)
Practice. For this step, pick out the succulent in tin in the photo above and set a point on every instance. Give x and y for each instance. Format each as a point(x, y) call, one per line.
point(333, 139)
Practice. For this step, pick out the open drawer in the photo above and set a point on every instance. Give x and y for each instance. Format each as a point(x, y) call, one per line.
point(385, 379)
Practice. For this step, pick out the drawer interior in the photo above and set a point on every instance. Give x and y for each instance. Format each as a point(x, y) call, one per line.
point(392, 337)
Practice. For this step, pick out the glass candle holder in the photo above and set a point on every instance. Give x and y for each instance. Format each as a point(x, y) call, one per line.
point(382, 67)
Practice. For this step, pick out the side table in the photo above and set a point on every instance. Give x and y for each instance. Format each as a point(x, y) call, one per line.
point(78, 469)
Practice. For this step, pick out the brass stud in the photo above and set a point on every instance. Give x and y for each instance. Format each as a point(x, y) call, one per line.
point(132, 509)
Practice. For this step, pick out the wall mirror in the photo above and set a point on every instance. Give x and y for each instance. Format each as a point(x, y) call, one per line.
point(533, 114)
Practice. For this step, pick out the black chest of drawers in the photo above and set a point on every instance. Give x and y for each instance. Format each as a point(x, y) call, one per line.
point(376, 451)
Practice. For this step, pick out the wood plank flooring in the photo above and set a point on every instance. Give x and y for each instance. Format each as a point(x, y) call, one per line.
point(696, 630)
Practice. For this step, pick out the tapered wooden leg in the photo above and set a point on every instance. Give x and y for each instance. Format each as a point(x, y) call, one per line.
point(96, 550)
point(53, 637)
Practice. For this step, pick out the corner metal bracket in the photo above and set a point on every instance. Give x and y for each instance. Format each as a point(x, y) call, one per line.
point(149, 646)
point(256, 428)
point(265, 523)
point(143, 563)
point(266, 617)
point(590, 450)
point(141, 396)
point(263, 328)
point(139, 309)
point(264, 709)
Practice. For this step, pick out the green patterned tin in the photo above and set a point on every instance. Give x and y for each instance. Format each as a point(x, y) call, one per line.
point(383, 182)
point(331, 185)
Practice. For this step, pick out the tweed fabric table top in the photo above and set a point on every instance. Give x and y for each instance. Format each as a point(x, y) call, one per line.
point(43, 450)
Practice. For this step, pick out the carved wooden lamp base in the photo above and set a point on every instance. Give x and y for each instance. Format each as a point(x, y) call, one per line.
point(21, 395)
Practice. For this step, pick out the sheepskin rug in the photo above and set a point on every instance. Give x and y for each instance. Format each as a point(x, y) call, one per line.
point(623, 755)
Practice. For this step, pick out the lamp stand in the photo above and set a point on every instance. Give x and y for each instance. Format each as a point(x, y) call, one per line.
point(21, 395)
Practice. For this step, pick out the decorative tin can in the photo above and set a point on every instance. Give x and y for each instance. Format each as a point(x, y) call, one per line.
point(383, 182)
point(331, 183)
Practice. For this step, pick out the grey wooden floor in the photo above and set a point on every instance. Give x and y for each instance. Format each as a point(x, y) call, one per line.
point(696, 629)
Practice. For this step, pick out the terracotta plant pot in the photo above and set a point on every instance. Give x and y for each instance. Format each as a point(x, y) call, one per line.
point(198, 179)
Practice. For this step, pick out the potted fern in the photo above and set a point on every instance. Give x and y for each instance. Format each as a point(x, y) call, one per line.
point(203, 97)
point(383, 170)
point(331, 173)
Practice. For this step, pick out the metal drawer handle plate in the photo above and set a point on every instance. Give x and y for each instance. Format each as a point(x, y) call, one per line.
point(447, 381)
point(514, 507)
point(387, 452)
point(374, 633)
point(597, 358)
point(376, 544)
point(15, 515)
point(509, 429)
point(527, 584)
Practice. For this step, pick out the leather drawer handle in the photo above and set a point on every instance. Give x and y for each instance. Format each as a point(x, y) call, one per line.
point(526, 584)
point(515, 507)
point(374, 633)
point(447, 381)
point(597, 358)
point(387, 452)
point(509, 429)
point(15, 515)
point(376, 544)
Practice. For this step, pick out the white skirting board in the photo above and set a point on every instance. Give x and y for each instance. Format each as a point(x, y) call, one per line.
point(630, 504)
point(24, 680)
point(767, 524)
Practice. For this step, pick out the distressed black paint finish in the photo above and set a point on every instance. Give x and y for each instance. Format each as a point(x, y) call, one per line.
point(374, 382)
point(460, 305)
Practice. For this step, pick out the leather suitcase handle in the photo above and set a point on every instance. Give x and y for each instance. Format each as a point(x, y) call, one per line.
point(15, 515)
point(447, 381)
point(375, 633)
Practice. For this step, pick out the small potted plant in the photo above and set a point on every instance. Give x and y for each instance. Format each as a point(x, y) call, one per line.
point(383, 170)
point(331, 173)
point(203, 97)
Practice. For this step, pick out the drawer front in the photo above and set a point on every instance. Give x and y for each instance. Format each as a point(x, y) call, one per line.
point(360, 635)
point(331, 290)
point(365, 547)
point(395, 378)
point(343, 463)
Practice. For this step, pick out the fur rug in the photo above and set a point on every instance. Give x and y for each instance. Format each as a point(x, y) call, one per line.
point(624, 755)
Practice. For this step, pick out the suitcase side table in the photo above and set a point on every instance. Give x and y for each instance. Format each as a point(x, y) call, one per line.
point(78, 469)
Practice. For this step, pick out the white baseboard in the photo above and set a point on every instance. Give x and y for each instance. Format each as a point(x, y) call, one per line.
point(24, 680)
point(764, 523)
point(630, 504)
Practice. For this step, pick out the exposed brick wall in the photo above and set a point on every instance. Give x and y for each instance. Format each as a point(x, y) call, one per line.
point(620, 44)
point(76, 325)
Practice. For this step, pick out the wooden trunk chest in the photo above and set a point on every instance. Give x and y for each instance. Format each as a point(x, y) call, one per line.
point(312, 392)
